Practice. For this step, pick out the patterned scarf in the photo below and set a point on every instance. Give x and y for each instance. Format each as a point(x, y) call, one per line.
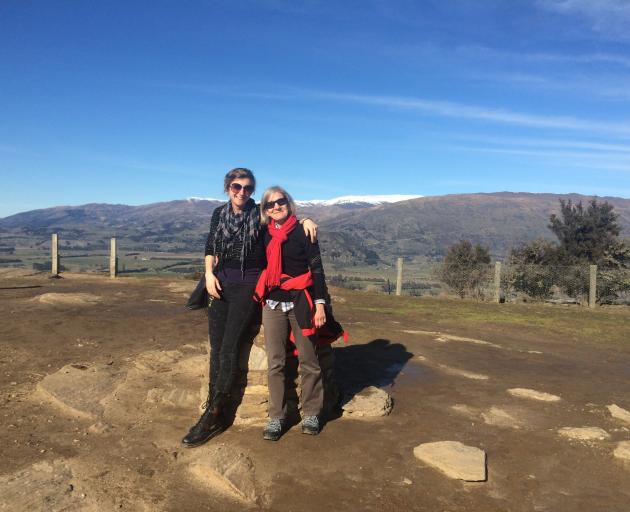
point(234, 228)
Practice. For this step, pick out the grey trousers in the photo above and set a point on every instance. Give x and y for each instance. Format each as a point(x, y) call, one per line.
point(276, 324)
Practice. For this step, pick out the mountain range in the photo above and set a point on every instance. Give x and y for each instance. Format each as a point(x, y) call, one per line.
point(352, 229)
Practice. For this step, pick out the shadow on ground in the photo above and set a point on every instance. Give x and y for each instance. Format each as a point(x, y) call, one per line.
point(376, 363)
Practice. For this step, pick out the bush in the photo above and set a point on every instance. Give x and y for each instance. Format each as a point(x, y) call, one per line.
point(466, 269)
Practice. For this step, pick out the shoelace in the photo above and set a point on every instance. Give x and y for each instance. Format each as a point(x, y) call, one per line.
point(311, 421)
point(274, 425)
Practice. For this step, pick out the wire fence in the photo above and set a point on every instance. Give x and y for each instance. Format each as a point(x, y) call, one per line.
point(504, 282)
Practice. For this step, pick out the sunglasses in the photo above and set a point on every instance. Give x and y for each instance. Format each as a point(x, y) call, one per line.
point(247, 189)
point(280, 202)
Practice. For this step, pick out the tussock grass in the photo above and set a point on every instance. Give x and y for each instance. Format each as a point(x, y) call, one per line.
point(609, 324)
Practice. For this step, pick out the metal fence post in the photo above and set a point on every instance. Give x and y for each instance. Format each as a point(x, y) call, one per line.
point(399, 265)
point(592, 289)
point(497, 281)
point(113, 259)
point(54, 254)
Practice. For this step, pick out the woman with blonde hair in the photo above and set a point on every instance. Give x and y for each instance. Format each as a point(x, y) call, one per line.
point(293, 289)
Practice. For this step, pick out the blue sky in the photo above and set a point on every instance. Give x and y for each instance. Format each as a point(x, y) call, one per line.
point(142, 101)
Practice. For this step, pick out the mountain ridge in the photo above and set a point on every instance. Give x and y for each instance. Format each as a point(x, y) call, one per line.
point(353, 232)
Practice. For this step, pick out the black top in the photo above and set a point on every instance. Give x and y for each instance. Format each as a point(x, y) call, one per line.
point(299, 255)
point(254, 261)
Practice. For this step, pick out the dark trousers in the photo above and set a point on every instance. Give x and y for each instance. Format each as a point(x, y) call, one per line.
point(229, 322)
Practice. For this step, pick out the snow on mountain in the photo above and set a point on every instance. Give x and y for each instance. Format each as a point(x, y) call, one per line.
point(374, 200)
point(193, 199)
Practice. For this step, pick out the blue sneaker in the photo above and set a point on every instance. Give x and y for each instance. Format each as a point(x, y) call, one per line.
point(273, 430)
point(310, 425)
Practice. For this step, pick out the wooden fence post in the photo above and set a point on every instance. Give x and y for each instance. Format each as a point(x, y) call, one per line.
point(399, 266)
point(497, 281)
point(113, 259)
point(592, 289)
point(54, 254)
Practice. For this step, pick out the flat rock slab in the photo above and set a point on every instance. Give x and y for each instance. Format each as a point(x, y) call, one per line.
point(500, 418)
point(182, 286)
point(227, 471)
point(458, 372)
point(43, 486)
point(370, 402)
point(454, 459)
point(79, 388)
point(173, 397)
point(75, 299)
point(257, 359)
point(619, 413)
point(159, 361)
point(622, 451)
point(532, 394)
point(584, 433)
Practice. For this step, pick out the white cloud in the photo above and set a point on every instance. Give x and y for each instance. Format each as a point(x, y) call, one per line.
point(610, 18)
point(462, 111)
point(543, 58)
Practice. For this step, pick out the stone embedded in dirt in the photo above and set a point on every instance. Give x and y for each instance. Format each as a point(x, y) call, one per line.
point(79, 388)
point(257, 359)
point(622, 451)
point(443, 337)
point(186, 287)
point(499, 418)
point(619, 413)
point(160, 361)
point(533, 394)
point(370, 402)
point(466, 410)
point(454, 459)
point(77, 299)
point(99, 428)
point(462, 373)
point(43, 486)
point(584, 433)
point(173, 397)
point(228, 471)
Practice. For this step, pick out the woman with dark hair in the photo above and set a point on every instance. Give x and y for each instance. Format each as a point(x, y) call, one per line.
point(234, 258)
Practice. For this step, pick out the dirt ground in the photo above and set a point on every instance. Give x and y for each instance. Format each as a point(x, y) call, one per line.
point(448, 365)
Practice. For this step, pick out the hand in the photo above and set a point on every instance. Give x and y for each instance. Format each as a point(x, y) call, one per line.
point(320, 315)
point(310, 228)
point(213, 286)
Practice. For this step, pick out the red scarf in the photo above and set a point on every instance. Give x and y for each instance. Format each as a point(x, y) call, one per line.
point(274, 249)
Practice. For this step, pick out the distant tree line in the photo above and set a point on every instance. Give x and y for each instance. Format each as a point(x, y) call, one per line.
point(585, 235)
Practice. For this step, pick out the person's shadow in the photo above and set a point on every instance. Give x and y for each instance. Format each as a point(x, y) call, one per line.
point(376, 363)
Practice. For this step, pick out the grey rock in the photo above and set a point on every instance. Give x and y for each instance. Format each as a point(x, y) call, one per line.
point(454, 459)
point(532, 394)
point(78, 389)
point(370, 402)
point(584, 433)
point(43, 486)
point(227, 471)
point(622, 451)
point(619, 413)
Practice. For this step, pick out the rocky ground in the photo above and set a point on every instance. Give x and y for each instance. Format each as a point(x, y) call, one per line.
point(495, 407)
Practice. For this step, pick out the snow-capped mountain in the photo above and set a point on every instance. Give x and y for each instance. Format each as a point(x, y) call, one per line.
point(362, 200)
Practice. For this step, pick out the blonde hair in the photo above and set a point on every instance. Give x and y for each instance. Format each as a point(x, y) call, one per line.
point(264, 218)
